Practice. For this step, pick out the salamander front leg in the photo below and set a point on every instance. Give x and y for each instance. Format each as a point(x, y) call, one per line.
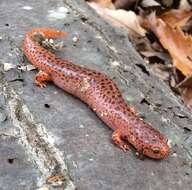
point(139, 154)
point(118, 141)
point(41, 78)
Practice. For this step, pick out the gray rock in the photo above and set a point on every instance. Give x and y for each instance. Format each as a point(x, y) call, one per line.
point(16, 172)
point(3, 116)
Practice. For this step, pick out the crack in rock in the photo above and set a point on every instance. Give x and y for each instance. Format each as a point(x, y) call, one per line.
point(37, 142)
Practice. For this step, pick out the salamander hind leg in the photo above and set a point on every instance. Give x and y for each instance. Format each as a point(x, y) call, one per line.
point(118, 141)
point(41, 78)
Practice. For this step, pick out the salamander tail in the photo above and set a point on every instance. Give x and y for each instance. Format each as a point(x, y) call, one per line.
point(47, 33)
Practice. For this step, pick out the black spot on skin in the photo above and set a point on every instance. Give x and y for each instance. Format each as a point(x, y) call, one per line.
point(117, 108)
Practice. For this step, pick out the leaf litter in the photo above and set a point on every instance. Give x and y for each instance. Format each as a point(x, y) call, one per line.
point(161, 32)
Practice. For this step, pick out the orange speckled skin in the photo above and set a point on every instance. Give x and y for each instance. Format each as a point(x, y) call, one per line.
point(99, 92)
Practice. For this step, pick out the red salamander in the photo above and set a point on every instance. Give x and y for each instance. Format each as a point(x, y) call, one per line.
point(99, 92)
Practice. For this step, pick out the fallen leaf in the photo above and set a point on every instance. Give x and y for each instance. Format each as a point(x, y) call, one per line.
point(187, 82)
point(169, 3)
point(124, 4)
point(149, 3)
point(161, 71)
point(121, 18)
point(185, 5)
point(141, 43)
point(176, 18)
point(178, 44)
point(186, 94)
point(161, 55)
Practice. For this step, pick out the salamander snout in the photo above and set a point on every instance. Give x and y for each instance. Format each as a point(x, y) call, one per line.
point(157, 151)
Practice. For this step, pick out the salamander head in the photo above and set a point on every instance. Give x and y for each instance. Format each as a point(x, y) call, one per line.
point(157, 150)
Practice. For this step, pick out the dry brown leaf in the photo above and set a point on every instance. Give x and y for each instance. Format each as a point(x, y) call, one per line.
point(176, 18)
point(124, 4)
point(161, 55)
point(185, 89)
point(160, 71)
point(186, 94)
point(121, 18)
point(185, 5)
point(178, 44)
point(149, 3)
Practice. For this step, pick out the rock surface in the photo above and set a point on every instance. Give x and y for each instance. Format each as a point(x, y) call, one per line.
point(50, 139)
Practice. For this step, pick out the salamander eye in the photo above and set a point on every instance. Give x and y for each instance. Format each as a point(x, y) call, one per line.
point(156, 150)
